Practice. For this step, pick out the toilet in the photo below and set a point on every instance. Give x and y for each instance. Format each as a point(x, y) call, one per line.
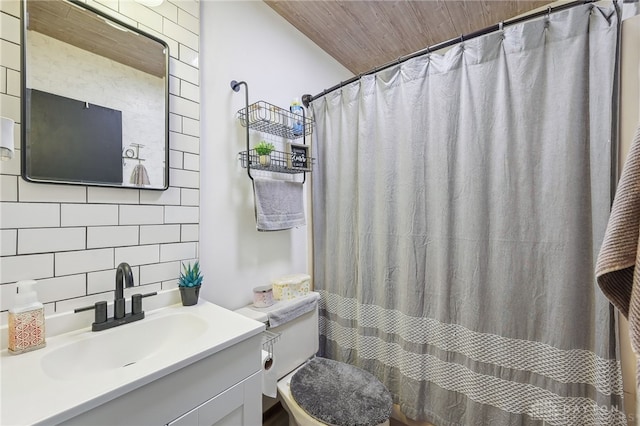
point(314, 390)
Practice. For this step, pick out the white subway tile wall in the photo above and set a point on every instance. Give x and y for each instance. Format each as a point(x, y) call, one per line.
point(71, 238)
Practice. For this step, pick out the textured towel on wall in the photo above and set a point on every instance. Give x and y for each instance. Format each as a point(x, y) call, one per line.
point(618, 266)
point(278, 204)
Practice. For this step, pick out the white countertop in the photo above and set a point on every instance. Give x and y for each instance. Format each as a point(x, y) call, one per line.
point(30, 395)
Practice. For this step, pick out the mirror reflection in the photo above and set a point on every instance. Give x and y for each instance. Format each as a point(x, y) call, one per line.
point(94, 99)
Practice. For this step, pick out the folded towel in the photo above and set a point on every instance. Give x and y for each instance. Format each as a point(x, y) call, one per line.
point(279, 204)
point(618, 264)
point(287, 310)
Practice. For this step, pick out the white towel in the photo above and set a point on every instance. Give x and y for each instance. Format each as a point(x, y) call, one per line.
point(279, 204)
point(286, 310)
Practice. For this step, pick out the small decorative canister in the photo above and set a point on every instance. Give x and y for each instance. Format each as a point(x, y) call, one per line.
point(262, 296)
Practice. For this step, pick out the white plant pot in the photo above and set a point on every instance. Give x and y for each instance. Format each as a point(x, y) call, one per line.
point(265, 160)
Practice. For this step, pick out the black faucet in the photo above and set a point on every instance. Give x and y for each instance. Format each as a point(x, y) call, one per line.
point(123, 274)
point(124, 278)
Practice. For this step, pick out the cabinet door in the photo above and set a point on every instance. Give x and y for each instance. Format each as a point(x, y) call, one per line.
point(223, 408)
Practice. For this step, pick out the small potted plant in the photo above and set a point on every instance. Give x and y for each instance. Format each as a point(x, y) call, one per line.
point(189, 283)
point(263, 149)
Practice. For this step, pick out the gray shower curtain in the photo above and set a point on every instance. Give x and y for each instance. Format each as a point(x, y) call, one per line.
point(459, 202)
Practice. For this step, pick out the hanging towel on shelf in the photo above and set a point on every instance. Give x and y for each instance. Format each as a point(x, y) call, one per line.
point(618, 264)
point(278, 204)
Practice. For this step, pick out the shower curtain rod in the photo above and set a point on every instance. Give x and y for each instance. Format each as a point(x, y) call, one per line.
point(307, 99)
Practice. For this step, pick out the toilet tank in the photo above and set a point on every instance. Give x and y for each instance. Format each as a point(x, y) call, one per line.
point(298, 338)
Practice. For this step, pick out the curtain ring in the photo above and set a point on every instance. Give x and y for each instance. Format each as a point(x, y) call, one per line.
point(501, 26)
point(461, 38)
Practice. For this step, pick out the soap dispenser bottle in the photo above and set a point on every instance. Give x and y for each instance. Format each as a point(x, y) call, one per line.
point(296, 108)
point(26, 320)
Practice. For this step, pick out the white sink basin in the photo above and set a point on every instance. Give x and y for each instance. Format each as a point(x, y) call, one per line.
point(122, 346)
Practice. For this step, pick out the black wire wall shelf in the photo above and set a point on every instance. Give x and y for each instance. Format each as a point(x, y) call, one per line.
point(279, 161)
point(268, 118)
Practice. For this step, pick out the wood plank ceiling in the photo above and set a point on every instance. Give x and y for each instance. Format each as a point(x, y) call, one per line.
point(86, 30)
point(362, 35)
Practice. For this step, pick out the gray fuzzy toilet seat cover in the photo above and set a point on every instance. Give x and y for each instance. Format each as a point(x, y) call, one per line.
point(340, 394)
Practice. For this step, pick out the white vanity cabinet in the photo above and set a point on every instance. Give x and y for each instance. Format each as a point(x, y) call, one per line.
point(221, 389)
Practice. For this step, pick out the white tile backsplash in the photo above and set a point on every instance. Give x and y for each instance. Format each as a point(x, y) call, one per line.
point(89, 214)
point(188, 21)
point(67, 287)
point(190, 91)
point(189, 233)
point(29, 215)
point(186, 143)
point(154, 234)
point(112, 236)
point(188, 56)
point(174, 85)
point(169, 197)
point(3, 80)
point(138, 255)
point(176, 159)
point(190, 6)
point(179, 251)
point(180, 214)
point(103, 281)
point(142, 14)
point(45, 192)
point(141, 215)
point(74, 262)
point(44, 240)
point(13, 83)
point(191, 127)
point(101, 195)
point(180, 34)
point(190, 197)
point(191, 161)
point(8, 188)
point(175, 122)
point(10, 55)
point(184, 178)
point(168, 10)
point(184, 107)
point(12, 167)
point(8, 242)
point(26, 267)
point(183, 71)
point(12, 7)
point(10, 107)
point(10, 28)
point(71, 237)
point(159, 272)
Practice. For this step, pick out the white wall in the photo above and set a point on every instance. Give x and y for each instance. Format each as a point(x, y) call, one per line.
point(70, 237)
point(246, 40)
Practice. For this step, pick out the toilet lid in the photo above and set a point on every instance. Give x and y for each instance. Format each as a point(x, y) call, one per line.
point(340, 394)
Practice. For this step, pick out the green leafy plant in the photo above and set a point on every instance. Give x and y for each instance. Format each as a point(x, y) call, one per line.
point(190, 276)
point(264, 148)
